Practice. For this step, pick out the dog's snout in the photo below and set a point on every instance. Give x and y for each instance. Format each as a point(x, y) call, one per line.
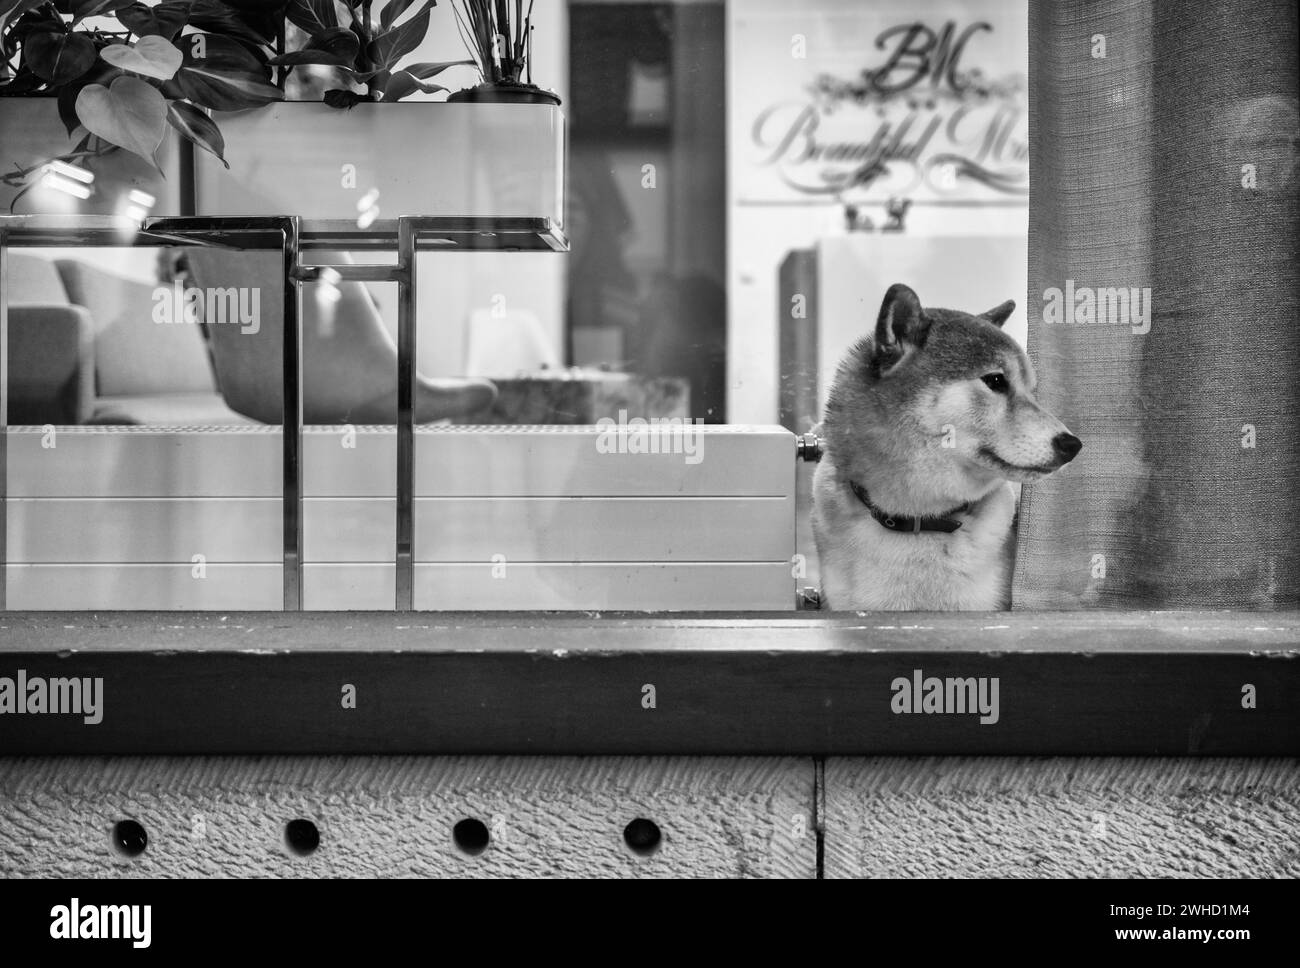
point(1066, 446)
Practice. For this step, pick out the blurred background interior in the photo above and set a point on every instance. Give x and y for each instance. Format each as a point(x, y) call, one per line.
point(716, 272)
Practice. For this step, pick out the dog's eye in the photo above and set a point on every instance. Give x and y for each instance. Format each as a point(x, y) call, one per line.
point(996, 382)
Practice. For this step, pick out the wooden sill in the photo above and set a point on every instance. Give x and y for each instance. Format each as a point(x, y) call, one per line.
point(1088, 683)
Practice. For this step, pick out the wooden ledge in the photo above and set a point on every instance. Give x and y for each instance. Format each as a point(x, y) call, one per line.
point(1096, 683)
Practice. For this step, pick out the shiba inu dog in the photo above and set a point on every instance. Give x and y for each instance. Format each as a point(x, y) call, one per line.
point(927, 422)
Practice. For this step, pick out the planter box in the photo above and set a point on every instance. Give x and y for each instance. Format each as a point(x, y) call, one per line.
point(423, 158)
point(305, 158)
point(31, 133)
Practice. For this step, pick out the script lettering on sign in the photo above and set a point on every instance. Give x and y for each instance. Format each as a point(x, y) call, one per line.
point(918, 122)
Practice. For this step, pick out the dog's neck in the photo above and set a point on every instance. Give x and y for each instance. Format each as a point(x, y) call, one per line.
point(909, 488)
point(945, 523)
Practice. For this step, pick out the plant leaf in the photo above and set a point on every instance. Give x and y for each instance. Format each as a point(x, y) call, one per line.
point(312, 16)
point(16, 8)
point(193, 124)
point(403, 83)
point(94, 8)
point(59, 57)
point(265, 17)
point(340, 98)
point(164, 20)
point(34, 21)
point(68, 107)
point(101, 73)
point(151, 56)
point(427, 69)
point(229, 77)
point(387, 49)
point(362, 77)
point(24, 82)
point(131, 114)
point(223, 19)
point(224, 90)
point(337, 46)
point(392, 11)
point(8, 6)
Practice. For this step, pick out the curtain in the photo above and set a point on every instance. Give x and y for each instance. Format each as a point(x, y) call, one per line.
point(1163, 164)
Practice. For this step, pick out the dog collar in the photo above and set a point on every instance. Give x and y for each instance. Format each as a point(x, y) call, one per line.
point(906, 525)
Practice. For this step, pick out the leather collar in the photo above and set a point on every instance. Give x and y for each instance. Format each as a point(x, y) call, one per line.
point(903, 524)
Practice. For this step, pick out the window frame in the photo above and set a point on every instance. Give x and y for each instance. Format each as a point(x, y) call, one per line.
point(1094, 683)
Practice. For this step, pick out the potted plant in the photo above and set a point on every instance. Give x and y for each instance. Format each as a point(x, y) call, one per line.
point(367, 146)
point(502, 48)
point(365, 49)
point(118, 78)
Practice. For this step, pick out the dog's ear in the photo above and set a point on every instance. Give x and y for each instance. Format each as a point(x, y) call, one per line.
point(901, 321)
point(1000, 314)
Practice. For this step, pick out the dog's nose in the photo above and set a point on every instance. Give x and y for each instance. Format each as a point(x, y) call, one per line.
point(1066, 447)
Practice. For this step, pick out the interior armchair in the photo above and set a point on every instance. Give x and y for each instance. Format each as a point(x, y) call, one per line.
point(84, 349)
point(50, 340)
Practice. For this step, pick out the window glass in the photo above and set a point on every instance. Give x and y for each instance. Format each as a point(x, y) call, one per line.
point(144, 449)
point(760, 316)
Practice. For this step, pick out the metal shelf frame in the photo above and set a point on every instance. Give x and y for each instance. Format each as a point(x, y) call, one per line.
point(295, 238)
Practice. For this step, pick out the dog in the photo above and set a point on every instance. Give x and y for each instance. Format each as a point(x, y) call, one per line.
point(927, 422)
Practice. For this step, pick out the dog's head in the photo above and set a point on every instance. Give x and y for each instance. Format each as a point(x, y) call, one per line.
point(946, 399)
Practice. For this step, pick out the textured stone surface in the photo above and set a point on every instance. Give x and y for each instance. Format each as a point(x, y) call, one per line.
point(726, 817)
point(1062, 817)
point(393, 816)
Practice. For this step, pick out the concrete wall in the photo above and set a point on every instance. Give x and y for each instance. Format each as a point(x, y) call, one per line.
point(1062, 817)
point(721, 817)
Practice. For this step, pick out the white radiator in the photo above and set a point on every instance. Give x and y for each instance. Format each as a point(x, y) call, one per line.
point(505, 518)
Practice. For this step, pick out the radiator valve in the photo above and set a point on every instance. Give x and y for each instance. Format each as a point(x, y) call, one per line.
point(809, 447)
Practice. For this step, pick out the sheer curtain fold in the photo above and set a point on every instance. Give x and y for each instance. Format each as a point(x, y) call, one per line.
point(1164, 304)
